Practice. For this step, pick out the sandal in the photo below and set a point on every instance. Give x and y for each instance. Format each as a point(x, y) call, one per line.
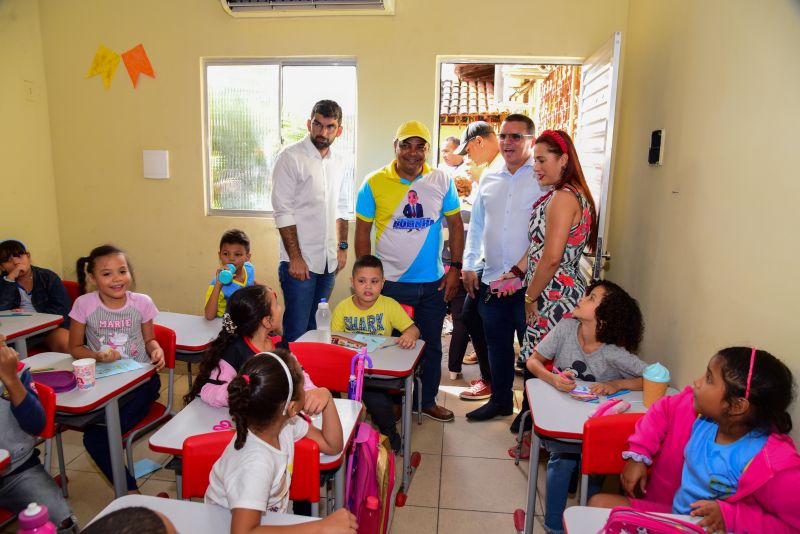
point(524, 450)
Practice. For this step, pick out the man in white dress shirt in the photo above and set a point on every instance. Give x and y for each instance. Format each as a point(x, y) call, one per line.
point(311, 215)
point(499, 233)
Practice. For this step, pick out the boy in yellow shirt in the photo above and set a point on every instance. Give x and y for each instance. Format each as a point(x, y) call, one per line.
point(369, 312)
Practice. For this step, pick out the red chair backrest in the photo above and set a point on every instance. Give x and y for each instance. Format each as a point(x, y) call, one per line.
point(72, 289)
point(327, 365)
point(200, 453)
point(166, 338)
point(408, 309)
point(48, 399)
point(604, 440)
point(305, 477)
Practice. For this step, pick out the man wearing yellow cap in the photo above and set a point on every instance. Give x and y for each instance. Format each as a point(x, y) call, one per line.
point(409, 242)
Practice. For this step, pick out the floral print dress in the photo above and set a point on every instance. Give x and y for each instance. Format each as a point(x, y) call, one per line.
point(563, 292)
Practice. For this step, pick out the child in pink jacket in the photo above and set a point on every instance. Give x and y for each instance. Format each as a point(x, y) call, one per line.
point(720, 449)
point(252, 315)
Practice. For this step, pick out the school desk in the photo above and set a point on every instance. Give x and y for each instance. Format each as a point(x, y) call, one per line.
point(396, 362)
point(586, 520)
point(556, 415)
point(104, 395)
point(19, 326)
point(199, 418)
point(193, 335)
point(195, 517)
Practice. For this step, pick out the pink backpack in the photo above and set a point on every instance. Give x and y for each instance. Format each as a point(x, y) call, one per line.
point(624, 519)
point(370, 462)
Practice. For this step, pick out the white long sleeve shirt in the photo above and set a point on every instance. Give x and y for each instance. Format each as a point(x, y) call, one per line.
point(498, 228)
point(307, 193)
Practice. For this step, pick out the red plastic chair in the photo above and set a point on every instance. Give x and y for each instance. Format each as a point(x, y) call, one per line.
point(408, 309)
point(305, 477)
point(327, 365)
point(199, 454)
point(159, 413)
point(604, 440)
point(73, 290)
point(47, 398)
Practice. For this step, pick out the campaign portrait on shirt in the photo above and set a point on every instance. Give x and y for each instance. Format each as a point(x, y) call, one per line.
point(413, 210)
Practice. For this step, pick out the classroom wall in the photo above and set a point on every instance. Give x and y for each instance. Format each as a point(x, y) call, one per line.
point(707, 242)
point(99, 134)
point(28, 190)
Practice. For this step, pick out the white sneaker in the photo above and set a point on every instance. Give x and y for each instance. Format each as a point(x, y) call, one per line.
point(454, 376)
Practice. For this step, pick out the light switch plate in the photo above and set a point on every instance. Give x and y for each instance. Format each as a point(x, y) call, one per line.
point(156, 164)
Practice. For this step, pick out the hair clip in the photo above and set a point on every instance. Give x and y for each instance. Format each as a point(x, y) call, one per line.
point(228, 324)
point(750, 373)
point(246, 378)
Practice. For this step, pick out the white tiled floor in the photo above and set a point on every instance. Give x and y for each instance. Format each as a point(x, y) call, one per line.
point(466, 482)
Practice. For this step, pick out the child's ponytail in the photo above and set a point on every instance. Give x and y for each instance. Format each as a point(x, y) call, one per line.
point(80, 268)
point(239, 405)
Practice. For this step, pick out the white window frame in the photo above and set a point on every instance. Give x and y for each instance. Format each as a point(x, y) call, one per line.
point(206, 118)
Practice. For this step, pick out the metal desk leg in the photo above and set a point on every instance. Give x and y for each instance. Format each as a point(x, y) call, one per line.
point(21, 346)
point(115, 448)
point(409, 381)
point(338, 485)
point(533, 477)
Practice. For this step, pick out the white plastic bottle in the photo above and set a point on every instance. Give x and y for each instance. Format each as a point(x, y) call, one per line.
point(323, 317)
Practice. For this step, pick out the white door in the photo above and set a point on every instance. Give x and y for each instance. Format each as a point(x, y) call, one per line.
point(595, 135)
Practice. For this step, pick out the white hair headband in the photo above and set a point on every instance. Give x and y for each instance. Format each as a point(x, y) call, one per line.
point(288, 378)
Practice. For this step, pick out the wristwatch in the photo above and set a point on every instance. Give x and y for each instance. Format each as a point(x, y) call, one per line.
point(456, 265)
point(342, 245)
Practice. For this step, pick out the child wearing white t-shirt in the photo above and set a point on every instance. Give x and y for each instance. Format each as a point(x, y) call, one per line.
point(254, 474)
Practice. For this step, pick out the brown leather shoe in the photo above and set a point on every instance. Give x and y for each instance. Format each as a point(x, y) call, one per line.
point(470, 359)
point(438, 413)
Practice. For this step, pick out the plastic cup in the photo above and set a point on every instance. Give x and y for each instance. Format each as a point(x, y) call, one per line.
point(84, 372)
point(653, 391)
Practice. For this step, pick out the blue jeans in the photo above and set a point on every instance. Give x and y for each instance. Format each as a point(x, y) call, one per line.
point(502, 319)
point(429, 312)
point(301, 298)
point(562, 471)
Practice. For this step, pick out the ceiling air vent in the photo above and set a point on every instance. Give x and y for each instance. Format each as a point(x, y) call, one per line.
point(290, 8)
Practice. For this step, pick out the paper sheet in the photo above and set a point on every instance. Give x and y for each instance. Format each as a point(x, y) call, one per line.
point(373, 342)
point(102, 370)
point(137, 62)
point(105, 63)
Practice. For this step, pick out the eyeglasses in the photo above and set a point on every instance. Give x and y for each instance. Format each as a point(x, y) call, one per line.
point(512, 136)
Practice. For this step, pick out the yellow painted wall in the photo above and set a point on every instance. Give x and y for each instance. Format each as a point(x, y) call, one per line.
point(708, 242)
point(28, 191)
point(99, 135)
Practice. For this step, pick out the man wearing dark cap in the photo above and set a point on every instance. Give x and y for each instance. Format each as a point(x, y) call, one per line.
point(410, 247)
point(499, 232)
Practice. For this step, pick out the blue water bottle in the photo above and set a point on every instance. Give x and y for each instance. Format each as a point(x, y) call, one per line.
point(226, 275)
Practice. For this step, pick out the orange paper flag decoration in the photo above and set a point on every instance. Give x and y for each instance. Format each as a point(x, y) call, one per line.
point(137, 62)
point(105, 63)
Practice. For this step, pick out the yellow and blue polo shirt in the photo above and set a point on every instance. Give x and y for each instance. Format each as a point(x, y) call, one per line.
point(408, 227)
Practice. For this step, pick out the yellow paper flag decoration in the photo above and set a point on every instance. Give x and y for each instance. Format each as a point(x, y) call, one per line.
point(137, 62)
point(105, 62)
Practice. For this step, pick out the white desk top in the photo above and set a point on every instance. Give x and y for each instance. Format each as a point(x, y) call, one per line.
point(563, 416)
point(13, 327)
point(5, 459)
point(196, 517)
point(586, 520)
point(199, 418)
point(193, 333)
point(392, 360)
point(86, 400)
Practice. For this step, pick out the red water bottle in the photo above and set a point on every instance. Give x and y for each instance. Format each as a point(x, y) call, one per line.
point(369, 518)
point(34, 520)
